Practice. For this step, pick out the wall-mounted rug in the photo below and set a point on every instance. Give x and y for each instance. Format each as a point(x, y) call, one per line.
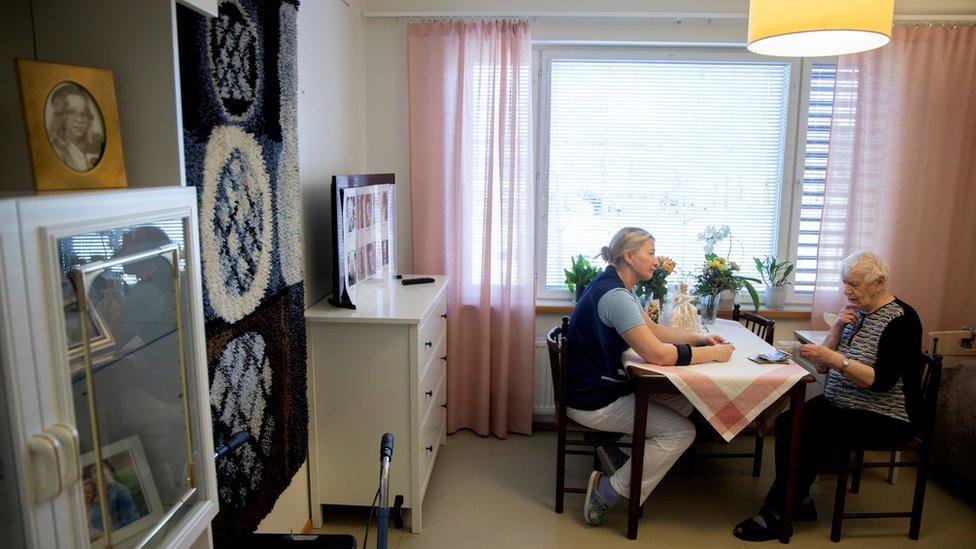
point(238, 78)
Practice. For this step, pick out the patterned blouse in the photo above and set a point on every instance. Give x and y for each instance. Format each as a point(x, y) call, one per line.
point(887, 340)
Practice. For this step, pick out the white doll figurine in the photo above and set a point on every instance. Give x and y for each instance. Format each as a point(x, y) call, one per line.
point(685, 316)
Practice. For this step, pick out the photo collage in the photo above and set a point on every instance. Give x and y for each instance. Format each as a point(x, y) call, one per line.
point(367, 229)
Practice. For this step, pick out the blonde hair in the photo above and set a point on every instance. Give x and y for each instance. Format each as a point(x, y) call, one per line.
point(868, 265)
point(628, 239)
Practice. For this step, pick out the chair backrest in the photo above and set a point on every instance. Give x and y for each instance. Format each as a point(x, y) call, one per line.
point(928, 377)
point(558, 357)
point(757, 324)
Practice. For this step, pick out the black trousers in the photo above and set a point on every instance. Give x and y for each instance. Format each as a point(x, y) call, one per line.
point(826, 429)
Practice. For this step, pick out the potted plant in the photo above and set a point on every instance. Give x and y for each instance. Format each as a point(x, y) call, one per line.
point(719, 274)
point(775, 275)
point(580, 273)
point(652, 291)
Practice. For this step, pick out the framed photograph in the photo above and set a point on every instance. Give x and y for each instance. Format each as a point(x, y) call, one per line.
point(133, 500)
point(99, 336)
point(72, 126)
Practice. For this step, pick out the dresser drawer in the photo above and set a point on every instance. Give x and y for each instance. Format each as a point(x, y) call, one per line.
point(430, 377)
point(431, 430)
point(431, 329)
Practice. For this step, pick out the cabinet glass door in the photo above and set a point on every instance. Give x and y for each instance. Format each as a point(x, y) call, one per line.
point(126, 319)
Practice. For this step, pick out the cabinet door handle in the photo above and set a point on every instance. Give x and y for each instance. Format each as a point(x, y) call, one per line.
point(429, 449)
point(429, 344)
point(444, 358)
point(444, 315)
point(444, 406)
point(429, 394)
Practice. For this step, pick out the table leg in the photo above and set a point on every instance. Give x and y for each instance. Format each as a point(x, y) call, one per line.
point(637, 458)
point(797, 399)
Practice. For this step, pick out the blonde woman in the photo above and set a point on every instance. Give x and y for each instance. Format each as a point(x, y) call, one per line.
point(607, 320)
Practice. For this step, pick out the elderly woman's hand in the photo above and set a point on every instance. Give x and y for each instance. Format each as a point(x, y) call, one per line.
point(822, 357)
point(847, 315)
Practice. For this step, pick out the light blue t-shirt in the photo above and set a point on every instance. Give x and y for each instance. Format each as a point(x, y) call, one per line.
point(619, 309)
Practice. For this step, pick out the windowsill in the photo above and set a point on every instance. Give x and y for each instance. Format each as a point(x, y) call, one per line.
point(792, 312)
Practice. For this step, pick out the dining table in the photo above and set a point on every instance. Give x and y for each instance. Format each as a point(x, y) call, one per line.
point(729, 395)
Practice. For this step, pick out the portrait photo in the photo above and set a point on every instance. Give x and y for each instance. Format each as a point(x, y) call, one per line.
point(361, 263)
point(368, 211)
point(99, 336)
point(360, 216)
point(350, 211)
point(72, 122)
point(75, 127)
point(385, 206)
point(386, 252)
point(351, 274)
point(131, 498)
point(371, 258)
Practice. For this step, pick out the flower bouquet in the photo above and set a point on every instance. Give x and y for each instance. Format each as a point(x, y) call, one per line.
point(653, 290)
point(718, 274)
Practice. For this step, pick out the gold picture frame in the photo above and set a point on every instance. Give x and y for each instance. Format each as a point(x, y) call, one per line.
point(72, 124)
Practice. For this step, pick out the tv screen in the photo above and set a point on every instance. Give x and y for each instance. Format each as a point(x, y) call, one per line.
point(363, 235)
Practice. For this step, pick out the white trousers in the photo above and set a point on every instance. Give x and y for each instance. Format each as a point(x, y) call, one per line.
point(669, 434)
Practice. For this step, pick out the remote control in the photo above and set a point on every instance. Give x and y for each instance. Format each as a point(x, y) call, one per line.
point(411, 281)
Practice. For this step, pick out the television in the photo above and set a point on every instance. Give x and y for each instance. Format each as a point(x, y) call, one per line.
point(363, 236)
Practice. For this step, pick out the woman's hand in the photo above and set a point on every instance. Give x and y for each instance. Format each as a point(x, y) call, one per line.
point(847, 315)
point(722, 353)
point(822, 357)
point(704, 340)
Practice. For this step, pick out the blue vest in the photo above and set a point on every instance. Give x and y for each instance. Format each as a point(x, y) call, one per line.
point(595, 376)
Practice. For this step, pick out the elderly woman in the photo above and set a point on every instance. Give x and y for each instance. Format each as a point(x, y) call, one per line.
point(865, 355)
point(606, 321)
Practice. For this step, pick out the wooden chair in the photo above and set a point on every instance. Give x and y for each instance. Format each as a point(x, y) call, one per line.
point(929, 375)
point(757, 324)
point(765, 328)
point(558, 362)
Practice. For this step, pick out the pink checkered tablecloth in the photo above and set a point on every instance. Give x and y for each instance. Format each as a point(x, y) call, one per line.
point(731, 394)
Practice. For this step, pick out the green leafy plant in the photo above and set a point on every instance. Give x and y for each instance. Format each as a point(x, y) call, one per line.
point(580, 273)
point(773, 272)
point(718, 274)
point(657, 285)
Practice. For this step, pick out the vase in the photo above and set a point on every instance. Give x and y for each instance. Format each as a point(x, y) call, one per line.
point(776, 297)
point(708, 308)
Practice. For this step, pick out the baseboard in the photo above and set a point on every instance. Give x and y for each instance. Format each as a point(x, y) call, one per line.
point(308, 526)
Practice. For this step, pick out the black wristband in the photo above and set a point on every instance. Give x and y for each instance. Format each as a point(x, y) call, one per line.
point(684, 354)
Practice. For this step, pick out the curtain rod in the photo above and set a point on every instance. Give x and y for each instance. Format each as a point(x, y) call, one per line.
point(726, 16)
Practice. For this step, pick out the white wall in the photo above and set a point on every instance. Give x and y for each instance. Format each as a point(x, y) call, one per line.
point(331, 137)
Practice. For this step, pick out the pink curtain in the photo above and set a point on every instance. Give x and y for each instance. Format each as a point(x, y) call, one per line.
point(471, 198)
point(901, 176)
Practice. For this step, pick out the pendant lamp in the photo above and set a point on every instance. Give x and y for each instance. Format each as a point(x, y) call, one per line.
point(818, 28)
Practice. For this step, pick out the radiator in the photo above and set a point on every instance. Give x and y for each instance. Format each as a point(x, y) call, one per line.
point(543, 403)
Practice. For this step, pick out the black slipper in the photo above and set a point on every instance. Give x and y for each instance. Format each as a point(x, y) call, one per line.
point(805, 511)
point(757, 528)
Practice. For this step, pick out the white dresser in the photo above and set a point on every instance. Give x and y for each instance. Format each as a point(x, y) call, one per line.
point(380, 368)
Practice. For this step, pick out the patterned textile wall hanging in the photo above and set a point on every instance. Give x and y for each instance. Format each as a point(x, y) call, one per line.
point(238, 78)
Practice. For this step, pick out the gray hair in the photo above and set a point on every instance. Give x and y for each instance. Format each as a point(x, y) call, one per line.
point(868, 265)
point(628, 239)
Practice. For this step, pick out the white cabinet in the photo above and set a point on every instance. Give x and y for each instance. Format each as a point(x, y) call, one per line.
point(102, 344)
point(380, 368)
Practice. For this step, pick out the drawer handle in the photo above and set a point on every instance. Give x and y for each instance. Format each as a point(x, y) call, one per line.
point(429, 394)
point(429, 449)
point(429, 344)
point(444, 315)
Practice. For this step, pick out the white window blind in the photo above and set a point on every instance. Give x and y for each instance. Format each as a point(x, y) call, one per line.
point(822, 79)
point(669, 146)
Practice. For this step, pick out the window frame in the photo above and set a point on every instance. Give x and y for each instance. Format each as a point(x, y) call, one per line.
point(791, 191)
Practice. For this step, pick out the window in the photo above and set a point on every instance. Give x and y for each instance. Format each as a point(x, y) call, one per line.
point(819, 112)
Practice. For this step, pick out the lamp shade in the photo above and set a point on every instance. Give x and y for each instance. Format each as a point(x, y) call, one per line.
point(816, 28)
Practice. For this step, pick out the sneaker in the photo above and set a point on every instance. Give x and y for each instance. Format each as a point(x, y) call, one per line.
point(611, 459)
point(594, 507)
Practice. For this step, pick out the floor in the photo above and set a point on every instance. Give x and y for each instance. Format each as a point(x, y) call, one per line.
point(486, 492)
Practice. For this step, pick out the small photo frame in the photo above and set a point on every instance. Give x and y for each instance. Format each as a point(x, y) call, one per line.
point(129, 487)
point(99, 336)
point(72, 125)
